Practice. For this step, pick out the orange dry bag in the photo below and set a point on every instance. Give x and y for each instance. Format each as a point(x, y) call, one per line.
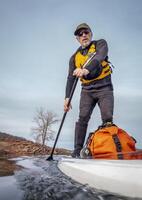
point(109, 143)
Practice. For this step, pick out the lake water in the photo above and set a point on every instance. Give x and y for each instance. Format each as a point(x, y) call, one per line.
point(42, 180)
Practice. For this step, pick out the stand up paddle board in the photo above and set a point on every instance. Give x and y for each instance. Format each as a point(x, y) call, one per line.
point(122, 177)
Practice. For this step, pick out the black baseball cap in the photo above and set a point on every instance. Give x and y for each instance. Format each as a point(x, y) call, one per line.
point(82, 26)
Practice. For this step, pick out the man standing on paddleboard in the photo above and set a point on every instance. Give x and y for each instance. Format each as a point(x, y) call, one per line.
point(95, 80)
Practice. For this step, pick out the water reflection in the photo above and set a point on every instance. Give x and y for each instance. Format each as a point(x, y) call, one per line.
point(8, 184)
point(9, 189)
point(7, 167)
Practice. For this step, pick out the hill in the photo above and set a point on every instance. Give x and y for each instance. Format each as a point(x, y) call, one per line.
point(14, 146)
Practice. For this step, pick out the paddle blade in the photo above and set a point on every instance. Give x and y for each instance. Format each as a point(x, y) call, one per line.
point(49, 158)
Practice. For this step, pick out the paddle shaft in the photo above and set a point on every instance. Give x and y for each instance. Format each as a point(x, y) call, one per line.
point(65, 113)
point(63, 118)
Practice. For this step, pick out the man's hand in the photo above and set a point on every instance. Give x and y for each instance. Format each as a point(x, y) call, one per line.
point(67, 108)
point(80, 72)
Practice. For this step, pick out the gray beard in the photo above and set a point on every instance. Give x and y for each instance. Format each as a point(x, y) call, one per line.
point(86, 45)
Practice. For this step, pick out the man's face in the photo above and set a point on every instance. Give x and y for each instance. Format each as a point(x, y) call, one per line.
point(84, 37)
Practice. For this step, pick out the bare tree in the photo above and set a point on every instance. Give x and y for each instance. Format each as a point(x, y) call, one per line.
point(43, 130)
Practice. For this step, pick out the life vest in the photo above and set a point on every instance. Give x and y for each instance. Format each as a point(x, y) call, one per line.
point(81, 59)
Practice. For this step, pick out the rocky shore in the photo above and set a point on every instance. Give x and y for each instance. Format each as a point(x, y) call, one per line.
point(13, 146)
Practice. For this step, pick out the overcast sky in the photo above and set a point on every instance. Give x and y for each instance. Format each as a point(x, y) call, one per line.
point(36, 42)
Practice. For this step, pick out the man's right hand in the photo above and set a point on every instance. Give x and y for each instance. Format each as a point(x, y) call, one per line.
point(80, 72)
point(66, 107)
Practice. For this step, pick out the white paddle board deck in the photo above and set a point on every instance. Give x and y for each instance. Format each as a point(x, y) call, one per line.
point(118, 176)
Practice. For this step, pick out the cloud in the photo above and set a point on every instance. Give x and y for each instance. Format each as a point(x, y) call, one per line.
point(36, 44)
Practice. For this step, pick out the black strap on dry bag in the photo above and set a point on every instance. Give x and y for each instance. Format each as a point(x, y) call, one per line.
point(118, 146)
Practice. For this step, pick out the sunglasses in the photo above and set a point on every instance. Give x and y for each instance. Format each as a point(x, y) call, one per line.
point(83, 32)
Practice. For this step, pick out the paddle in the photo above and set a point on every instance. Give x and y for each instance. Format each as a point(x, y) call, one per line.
point(65, 113)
